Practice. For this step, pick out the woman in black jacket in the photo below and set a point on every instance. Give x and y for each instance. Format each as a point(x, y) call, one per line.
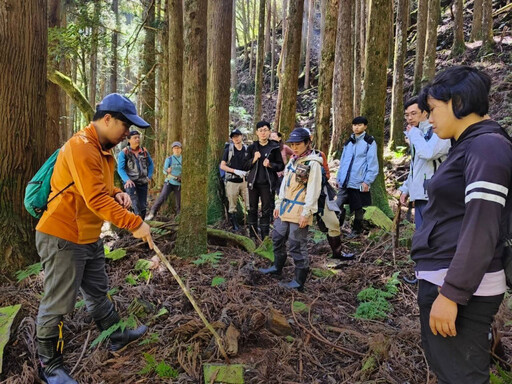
point(458, 252)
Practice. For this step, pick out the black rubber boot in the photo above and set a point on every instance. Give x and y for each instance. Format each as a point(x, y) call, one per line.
point(119, 339)
point(253, 228)
point(52, 369)
point(277, 268)
point(341, 216)
point(264, 230)
point(357, 226)
point(234, 223)
point(335, 243)
point(297, 283)
point(321, 225)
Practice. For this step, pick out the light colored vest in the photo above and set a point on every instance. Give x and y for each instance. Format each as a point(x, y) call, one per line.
point(295, 195)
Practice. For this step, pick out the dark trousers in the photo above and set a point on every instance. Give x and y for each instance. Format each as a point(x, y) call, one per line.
point(263, 192)
point(139, 196)
point(164, 194)
point(419, 207)
point(464, 358)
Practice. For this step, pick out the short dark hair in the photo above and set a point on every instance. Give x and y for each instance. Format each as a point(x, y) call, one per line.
point(467, 88)
point(262, 123)
point(411, 101)
point(360, 120)
point(279, 134)
point(116, 115)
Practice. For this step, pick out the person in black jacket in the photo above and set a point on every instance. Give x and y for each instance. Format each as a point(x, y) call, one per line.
point(458, 249)
point(263, 162)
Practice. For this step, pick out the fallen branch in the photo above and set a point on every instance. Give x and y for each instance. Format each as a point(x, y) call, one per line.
point(239, 240)
point(192, 301)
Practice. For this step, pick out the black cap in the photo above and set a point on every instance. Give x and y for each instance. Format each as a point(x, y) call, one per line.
point(133, 133)
point(235, 132)
point(298, 135)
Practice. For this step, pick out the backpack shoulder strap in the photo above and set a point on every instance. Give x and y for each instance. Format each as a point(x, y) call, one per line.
point(231, 152)
point(369, 139)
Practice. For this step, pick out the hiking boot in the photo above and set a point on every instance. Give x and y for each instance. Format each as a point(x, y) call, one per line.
point(52, 369)
point(233, 221)
point(119, 339)
point(297, 283)
point(335, 243)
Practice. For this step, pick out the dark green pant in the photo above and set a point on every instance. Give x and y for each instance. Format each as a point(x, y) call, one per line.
point(69, 267)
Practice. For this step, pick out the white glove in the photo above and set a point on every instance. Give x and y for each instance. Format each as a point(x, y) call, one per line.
point(240, 173)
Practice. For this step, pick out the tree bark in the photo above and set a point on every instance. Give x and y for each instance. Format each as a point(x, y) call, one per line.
point(273, 48)
point(323, 11)
point(487, 27)
point(234, 56)
point(397, 92)
point(280, 71)
point(23, 43)
point(174, 132)
point(309, 42)
point(343, 97)
point(53, 92)
point(115, 42)
point(476, 26)
point(258, 82)
point(267, 28)
point(363, 24)
point(219, 46)
point(324, 99)
point(74, 93)
point(245, 29)
point(429, 62)
point(191, 240)
point(93, 74)
point(148, 73)
point(421, 34)
point(290, 75)
point(357, 56)
point(253, 34)
point(373, 105)
point(458, 46)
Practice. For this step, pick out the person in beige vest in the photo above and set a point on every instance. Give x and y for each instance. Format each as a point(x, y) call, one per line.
point(295, 207)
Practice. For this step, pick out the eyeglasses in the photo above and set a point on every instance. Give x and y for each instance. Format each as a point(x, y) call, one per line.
point(262, 130)
point(412, 114)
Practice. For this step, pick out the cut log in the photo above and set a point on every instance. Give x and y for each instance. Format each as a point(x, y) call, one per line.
point(277, 324)
point(231, 340)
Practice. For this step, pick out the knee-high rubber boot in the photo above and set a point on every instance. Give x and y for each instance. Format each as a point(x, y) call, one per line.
point(277, 268)
point(234, 223)
point(52, 369)
point(119, 339)
point(300, 278)
point(252, 222)
point(341, 216)
point(335, 243)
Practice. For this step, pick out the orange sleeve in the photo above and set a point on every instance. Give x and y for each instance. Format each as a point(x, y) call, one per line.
point(326, 166)
point(86, 165)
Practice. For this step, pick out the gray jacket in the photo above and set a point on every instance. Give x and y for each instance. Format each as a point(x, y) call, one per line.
point(428, 151)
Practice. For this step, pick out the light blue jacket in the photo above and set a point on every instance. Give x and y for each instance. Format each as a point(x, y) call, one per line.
point(365, 167)
point(175, 162)
point(428, 151)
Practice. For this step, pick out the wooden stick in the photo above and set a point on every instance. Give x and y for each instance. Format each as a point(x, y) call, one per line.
point(192, 301)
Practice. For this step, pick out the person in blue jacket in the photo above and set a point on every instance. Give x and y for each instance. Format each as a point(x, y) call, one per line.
point(358, 169)
point(135, 166)
point(172, 172)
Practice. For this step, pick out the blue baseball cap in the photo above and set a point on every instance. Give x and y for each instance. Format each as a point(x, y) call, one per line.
point(118, 103)
point(298, 135)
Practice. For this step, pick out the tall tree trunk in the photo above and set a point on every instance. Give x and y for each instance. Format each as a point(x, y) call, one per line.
point(93, 74)
point(191, 240)
point(343, 81)
point(357, 55)
point(291, 70)
point(487, 27)
point(174, 132)
point(234, 56)
point(23, 43)
point(53, 92)
point(458, 46)
point(280, 72)
point(309, 42)
point(245, 29)
point(373, 105)
point(267, 28)
point(429, 63)
point(421, 33)
point(324, 99)
point(304, 35)
point(273, 48)
point(252, 28)
point(148, 73)
point(285, 15)
point(397, 93)
point(323, 10)
point(115, 42)
point(363, 24)
point(476, 26)
point(219, 45)
point(258, 82)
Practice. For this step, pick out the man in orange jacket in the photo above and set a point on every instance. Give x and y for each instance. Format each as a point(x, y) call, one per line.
point(68, 234)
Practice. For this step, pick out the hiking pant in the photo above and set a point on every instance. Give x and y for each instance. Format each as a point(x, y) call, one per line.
point(297, 242)
point(263, 192)
point(233, 190)
point(139, 196)
point(331, 222)
point(69, 267)
point(419, 207)
point(464, 358)
point(164, 194)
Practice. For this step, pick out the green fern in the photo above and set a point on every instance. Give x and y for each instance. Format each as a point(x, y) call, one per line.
point(130, 322)
point(162, 369)
point(212, 258)
point(218, 280)
point(152, 338)
point(31, 270)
